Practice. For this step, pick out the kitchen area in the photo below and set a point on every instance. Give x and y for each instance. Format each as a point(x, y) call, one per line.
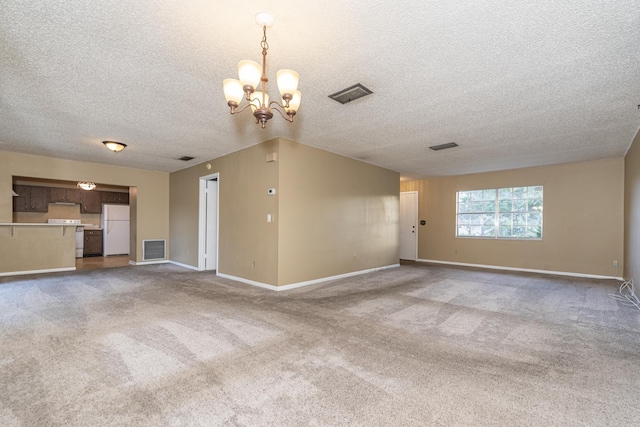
point(48, 213)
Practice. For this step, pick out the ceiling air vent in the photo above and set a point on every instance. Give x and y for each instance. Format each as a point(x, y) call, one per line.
point(186, 158)
point(350, 94)
point(443, 146)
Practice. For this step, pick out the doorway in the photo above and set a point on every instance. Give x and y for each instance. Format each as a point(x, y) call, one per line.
point(409, 225)
point(208, 227)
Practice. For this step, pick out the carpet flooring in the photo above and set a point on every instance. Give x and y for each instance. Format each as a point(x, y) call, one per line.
point(419, 345)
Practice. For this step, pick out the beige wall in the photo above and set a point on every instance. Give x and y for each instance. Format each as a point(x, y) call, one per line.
point(337, 215)
point(327, 209)
point(583, 219)
point(31, 248)
point(632, 210)
point(151, 199)
point(244, 234)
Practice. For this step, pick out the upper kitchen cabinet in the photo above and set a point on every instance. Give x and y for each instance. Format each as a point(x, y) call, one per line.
point(114, 197)
point(65, 195)
point(91, 202)
point(30, 198)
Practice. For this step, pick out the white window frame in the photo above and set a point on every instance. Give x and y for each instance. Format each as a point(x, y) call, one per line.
point(519, 218)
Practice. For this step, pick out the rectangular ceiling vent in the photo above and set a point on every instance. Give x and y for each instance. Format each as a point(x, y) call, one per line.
point(350, 94)
point(186, 158)
point(443, 146)
point(153, 250)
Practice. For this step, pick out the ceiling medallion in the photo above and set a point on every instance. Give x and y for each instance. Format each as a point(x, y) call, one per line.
point(251, 74)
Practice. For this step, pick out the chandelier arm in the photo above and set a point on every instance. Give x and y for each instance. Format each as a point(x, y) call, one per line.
point(234, 111)
point(289, 117)
point(283, 106)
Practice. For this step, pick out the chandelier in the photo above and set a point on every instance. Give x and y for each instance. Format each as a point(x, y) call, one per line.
point(251, 75)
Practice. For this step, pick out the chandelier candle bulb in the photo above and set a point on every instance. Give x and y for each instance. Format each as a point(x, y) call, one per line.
point(250, 73)
point(287, 81)
point(233, 91)
point(294, 103)
point(256, 102)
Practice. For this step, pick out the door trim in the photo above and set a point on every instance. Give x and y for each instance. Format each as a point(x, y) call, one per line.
point(417, 221)
point(202, 221)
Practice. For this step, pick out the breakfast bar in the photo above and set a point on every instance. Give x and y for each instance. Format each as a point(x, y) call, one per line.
point(28, 248)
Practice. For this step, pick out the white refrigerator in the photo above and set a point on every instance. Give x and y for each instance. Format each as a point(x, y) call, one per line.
point(115, 230)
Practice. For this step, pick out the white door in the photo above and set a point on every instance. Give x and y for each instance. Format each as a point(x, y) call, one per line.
point(211, 233)
point(409, 225)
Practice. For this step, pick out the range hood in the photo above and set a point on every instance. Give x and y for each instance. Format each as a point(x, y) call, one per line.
point(65, 203)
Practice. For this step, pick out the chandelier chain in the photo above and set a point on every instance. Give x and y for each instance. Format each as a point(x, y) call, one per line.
point(263, 44)
point(265, 47)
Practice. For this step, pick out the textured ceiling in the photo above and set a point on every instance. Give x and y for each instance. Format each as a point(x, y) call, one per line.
point(515, 84)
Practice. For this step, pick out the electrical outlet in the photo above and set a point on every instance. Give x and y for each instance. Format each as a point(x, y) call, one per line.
point(253, 263)
point(615, 263)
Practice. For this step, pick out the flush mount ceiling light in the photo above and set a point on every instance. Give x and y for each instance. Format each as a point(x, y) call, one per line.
point(114, 146)
point(87, 185)
point(252, 74)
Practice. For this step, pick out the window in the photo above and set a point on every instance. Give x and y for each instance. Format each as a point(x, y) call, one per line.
point(503, 213)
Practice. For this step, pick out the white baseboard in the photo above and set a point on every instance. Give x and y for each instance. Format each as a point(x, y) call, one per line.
point(179, 264)
point(164, 261)
point(306, 283)
point(526, 270)
point(247, 281)
point(46, 270)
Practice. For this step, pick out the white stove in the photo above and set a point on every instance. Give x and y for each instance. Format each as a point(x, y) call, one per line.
point(79, 233)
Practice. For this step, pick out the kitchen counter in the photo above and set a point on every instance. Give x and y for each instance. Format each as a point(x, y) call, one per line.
point(35, 224)
point(27, 248)
point(12, 226)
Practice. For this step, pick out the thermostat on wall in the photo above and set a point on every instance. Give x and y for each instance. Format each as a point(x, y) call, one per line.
point(271, 191)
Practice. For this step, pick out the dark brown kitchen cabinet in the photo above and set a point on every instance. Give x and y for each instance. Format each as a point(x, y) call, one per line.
point(65, 195)
point(31, 198)
point(113, 197)
point(92, 242)
point(91, 202)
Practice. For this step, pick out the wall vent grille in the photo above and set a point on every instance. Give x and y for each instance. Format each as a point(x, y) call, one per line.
point(153, 250)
